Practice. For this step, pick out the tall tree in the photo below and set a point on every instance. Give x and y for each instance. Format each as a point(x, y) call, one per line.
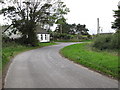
point(116, 23)
point(66, 28)
point(61, 11)
point(27, 15)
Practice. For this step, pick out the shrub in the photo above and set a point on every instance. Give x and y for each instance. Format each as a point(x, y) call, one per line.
point(103, 42)
point(115, 41)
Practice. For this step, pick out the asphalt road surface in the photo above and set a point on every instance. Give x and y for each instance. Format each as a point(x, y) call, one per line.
point(46, 68)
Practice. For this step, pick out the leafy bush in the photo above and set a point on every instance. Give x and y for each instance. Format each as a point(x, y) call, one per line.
point(103, 42)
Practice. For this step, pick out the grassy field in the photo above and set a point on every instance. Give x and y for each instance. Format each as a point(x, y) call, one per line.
point(9, 51)
point(101, 61)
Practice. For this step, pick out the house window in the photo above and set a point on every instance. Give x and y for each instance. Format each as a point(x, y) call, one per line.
point(45, 37)
point(41, 37)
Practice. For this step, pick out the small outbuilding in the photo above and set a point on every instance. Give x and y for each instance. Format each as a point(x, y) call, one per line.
point(43, 35)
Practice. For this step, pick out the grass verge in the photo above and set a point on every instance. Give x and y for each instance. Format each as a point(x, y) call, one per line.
point(73, 40)
point(102, 61)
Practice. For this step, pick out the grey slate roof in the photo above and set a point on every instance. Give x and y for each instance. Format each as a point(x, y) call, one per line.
point(39, 30)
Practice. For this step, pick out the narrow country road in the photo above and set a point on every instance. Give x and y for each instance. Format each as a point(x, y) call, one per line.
point(46, 68)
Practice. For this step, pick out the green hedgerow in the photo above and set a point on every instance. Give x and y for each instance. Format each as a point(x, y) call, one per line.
point(103, 42)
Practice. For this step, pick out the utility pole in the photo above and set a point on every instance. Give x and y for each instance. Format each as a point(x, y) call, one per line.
point(98, 26)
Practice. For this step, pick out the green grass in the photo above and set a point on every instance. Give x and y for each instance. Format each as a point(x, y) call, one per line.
point(13, 49)
point(46, 44)
point(73, 40)
point(102, 61)
point(66, 40)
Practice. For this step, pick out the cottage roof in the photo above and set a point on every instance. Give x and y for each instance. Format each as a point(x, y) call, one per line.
point(39, 30)
point(4, 28)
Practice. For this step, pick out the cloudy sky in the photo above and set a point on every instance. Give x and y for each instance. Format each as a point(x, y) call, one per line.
point(87, 12)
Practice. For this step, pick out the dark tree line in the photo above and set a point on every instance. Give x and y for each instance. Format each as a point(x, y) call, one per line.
point(67, 31)
point(72, 29)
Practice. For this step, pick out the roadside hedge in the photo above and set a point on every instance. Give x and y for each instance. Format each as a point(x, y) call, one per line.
point(103, 42)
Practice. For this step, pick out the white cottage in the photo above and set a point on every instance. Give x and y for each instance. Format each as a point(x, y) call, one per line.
point(43, 35)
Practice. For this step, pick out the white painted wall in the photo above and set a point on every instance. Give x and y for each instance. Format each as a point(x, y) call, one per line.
point(43, 39)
